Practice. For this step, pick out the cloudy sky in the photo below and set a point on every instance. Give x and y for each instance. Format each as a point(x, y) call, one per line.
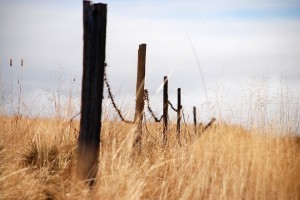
point(239, 46)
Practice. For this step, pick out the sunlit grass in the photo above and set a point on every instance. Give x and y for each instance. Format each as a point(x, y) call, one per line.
point(256, 160)
point(38, 160)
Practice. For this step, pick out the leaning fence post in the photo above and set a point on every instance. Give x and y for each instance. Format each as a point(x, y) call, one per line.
point(209, 124)
point(94, 38)
point(178, 113)
point(165, 110)
point(195, 119)
point(139, 101)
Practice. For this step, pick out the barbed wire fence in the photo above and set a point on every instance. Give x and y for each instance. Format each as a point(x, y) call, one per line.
point(146, 98)
point(157, 119)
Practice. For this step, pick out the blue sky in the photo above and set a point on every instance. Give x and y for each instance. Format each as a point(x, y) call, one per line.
point(235, 42)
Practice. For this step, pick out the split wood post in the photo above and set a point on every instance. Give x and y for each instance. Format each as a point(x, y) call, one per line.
point(179, 107)
point(94, 39)
point(165, 110)
point(139, 101)
point(195, 119)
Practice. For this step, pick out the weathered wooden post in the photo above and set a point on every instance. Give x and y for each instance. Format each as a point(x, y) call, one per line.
point(195, 119)
point(165, 110)
point(179, 107)
point(209, 124)
point(139, 101)
point(94, 39)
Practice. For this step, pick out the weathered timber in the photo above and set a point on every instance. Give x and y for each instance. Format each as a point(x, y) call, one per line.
point(139, 101)
point(94, 39)
point(165, 110)
point(195, 119)
point(179, 107)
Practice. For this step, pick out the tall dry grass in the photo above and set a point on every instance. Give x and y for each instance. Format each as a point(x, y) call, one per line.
point(38, 160)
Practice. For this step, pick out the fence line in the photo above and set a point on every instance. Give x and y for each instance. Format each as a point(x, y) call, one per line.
point(118, 110)
point(147, 101)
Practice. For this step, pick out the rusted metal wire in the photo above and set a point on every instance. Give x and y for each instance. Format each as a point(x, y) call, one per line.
point(147, 100)
point(111, 97)
point(173, 108)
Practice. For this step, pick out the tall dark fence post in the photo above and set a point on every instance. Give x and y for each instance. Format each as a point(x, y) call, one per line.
point(165, 110)
point(11, 87)
point(94, 39)
point(178, 113)
point(140, 86)
point(195, 119)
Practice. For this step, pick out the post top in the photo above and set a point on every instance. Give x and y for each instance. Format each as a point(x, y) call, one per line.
point(95, 4)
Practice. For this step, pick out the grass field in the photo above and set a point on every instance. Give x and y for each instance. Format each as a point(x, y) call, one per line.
point(38, 160)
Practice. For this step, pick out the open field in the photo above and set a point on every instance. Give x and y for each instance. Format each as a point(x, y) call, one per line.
point(38, 159)
point(236, 62)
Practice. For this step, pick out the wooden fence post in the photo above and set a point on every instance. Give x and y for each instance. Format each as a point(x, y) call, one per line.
point(165, 110)
point(195, 119)
point(179, 107)
point(94, 39)
point(139, 101)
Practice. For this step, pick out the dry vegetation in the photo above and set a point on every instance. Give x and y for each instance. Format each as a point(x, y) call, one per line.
point(38, 159)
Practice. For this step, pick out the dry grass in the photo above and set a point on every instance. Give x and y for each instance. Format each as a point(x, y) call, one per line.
point(38, 159)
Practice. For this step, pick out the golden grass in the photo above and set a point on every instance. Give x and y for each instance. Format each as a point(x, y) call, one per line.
point(38, 160)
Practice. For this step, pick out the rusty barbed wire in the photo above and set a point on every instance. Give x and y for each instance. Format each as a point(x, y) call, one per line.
point(147, 100)
point(171, 105)
point(111, 97)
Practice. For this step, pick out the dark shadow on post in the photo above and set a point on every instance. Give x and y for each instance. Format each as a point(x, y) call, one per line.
point(165, 110)
point(139, 105)
point(94, 39)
